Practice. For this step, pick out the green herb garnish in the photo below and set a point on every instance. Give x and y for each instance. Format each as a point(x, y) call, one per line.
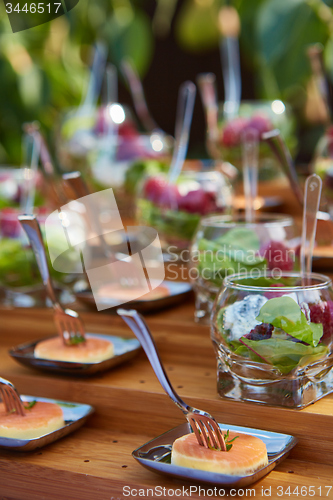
point(228, 441)
point(77, 339)
point(30, 405)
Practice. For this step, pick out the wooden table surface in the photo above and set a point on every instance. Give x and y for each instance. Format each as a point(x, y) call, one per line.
point(95, 462)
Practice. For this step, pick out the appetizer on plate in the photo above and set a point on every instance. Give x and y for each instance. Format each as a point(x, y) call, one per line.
point(245, 454)
point(82, 349)
point(39, 418)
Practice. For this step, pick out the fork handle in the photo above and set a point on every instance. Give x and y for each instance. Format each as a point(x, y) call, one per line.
point(140, 329)
point(32, 230)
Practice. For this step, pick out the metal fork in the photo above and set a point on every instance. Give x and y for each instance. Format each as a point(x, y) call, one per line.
point(69, 325)
point(11, 398)
point(204, 426)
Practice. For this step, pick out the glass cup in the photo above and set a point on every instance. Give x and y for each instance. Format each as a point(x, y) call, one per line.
point(174, 210)
point(273, 338)
point(225, 245)
point(111, 132)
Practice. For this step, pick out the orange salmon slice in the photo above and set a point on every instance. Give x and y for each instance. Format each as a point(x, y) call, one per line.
point(93, 350)
point(248, 454)
point(41, 419)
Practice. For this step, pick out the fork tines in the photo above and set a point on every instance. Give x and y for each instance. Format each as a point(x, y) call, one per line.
point(11, 398)
point(69, 325)
point(207, 432)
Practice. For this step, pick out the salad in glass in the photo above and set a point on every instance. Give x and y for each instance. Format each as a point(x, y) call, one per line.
point(273, 338)
point(262, 116)
point(82, 138)
point(225, 245)
point(174, 210)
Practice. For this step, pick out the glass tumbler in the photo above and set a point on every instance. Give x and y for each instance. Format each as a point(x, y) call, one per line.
point(225, 245)
point(273, 338)
point(174, 210)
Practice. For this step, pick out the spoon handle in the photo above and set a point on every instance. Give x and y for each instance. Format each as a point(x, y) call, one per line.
point(250, 146)
point(185, 106)
point(138, 96)
point(282, 153)
point(96, 76)
point(312, 194)
point(140, 329)
point(207, 87)
point(30, 173)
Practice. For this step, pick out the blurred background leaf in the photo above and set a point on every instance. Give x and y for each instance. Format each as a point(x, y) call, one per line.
point(45, 70)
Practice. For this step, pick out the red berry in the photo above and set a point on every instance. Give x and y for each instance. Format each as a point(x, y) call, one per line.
point(128, 130)
point(278, 256)
point(161, 193)
point(198, 202)
point(261, 123)
point(323, 313)
point(273, 295)
point(153, 188)
point(169, 197)
point(9, 224)
point(232, 132)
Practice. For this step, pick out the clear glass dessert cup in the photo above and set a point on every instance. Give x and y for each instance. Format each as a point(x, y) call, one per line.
point(225, 245)
point(108, 131)
point(273, 338)
point(174, 210)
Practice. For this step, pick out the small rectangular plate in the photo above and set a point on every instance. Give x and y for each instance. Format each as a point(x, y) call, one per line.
point(124, 349)
point(156, 456)
point(75, 415)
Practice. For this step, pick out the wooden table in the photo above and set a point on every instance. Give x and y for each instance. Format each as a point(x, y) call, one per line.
point(95, 462)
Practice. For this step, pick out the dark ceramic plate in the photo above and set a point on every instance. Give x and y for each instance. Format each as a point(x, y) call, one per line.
point(75, 415)
point(156, 456)
point(178, 291)
point(124, 349)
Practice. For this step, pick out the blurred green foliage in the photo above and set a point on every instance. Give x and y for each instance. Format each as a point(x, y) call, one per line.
point(274, 37)
point(44, 70)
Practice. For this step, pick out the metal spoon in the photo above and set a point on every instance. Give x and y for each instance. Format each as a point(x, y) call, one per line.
point(140, 104)
point(185, 105)
point(208, 92)
point(32, 146)
point(250, 147)
point(282, 153)
point(229, 26)
point(312, 195)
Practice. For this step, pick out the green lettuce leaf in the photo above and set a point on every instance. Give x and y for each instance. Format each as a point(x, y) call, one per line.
point(240, 237)
point(285, 313)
